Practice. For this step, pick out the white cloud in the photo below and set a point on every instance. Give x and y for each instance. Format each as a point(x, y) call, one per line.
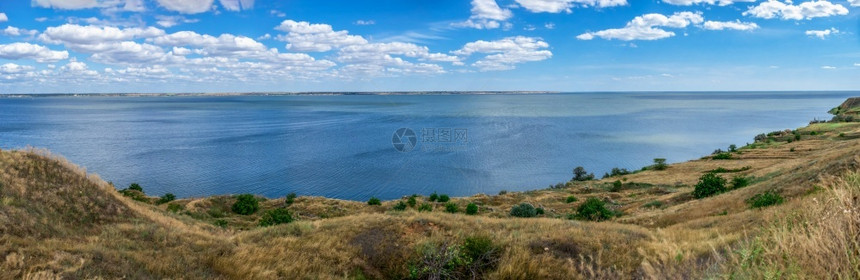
point(107, 5)
point(557, 6)
point(12, 68)
point(854, 3)
point(549, 25)
point(73, 34)
point(364, 22)
point(14, 31)
point(734, 25)
point(504, 54)
point(3, 17)
point(857, 64)
point(171, 21)
point(709, 2)
point(828, 67)
point(644, 27)
point(822, 34)
point(806, 10)
point(187, 6)
point(237, 5)
point(277, 13)
point(304, 36)
point(225, 44)
point(31, 51)
point(486, 14)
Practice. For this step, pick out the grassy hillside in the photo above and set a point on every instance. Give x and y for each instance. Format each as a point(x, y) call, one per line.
point(795, 218)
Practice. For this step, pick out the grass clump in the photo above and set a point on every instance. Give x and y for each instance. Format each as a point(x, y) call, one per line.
point(653, 204)
point(168, 197)
point(740, 182)
point(444, 198)
point(523, 210)
point(412, 201)
point(276, 217)
point(374, 201)
point(765, 199)
point(425, 207)
point(433, 197)
point(135, 187)
point(470, 259)
point(135, 192)
point(175, 207)
point(708, 185)
point(616, 186)
point(290, 199)
point(400, 206)
point(570, 199)
point(722, 155)
point(246, 204)
point(471, 209)
point(451, 207)
point(593, 209)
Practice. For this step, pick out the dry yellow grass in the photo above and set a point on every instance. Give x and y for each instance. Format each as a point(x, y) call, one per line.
point(56, 221)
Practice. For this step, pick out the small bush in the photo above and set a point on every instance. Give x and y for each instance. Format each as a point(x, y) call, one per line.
point(540, 211)
point(291, 197)
point(433, 197)
point(616, 186)
point(444, 198)
point(722, 156)
point(246, 204)
point(174, 207)
point(740, 182)
point(791, 150)
point(425, 207)
point(168, 197)
point(579, 174)
point(708, 185)
point(412, 201)
point(653, 204)
point(451, 207)
point(765, 199)
point(220, 223)
point(503, 192)
point(660, 164)
point(471, 209)
point(276, 217)
point(374, 201)
point(813, 133)
point(570, 199)
point(733, 148)
point(841, 134)
point(136, 187)
point(593, 209)
point(400, 206)
point(524, 210)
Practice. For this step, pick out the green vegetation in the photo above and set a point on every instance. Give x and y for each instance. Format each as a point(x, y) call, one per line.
point(135, 187)
point(290, 199)
point(373, 201)
point(168, 197)
point(660, 164)
point(725, 170)
point(540, 211)
point(471, 209)
point(135, 192)
point(733, 148)
point(617, 172)
point(451, 207)
point(653, 204)
point(276, 217)
point(570, 199)
point(220, 223)
point(425, 207)
point(524, 210)
point(412, 201)
point(174, 207)
point(740, 182)
point(593, 209)
point(433, 197)
point(767, 198)
point(708, 185)
point(246, 204)
point(579, 174)
point(616, 186)
point(444, 198)
point(722, 155)
point(400, 206)
point(442, 260)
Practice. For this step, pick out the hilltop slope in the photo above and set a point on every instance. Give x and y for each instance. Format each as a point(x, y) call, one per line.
point(58, 221)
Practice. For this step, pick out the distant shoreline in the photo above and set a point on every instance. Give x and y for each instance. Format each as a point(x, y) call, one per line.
point(309, 93)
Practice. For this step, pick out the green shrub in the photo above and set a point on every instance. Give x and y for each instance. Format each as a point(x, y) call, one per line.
point(570, 199)
point(791, 150)
point(841, 134)
point(451, 207)
point(276, 217)
point(579, 174)
point(765, 199)
point(539, 211)
point(722, 156)
point(412, 201)
point(220, 223)
point(653, 204)
point(813, 133)
point(660, 164)
point(471, 209)
point(503, 192)
point(136, 187)
point(444, 260)
point(593, 209)
point(135, 195)
point(246, 204)
point(444, 198)
point(174, 207)
point(425, 207)
point(168, 197)
point(374, 201)
point(733, 148)
point(740, 182)
point(616, 186)
point(433, 196)
point(290, 199)
point(708, 185)
point(524, 210)
point(400, 206)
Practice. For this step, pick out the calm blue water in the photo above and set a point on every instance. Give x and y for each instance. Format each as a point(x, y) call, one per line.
point(341, 146)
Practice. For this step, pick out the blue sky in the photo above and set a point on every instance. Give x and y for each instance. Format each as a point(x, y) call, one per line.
point(84, 46)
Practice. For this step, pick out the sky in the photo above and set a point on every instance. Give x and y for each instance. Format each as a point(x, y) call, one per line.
point(142, 46)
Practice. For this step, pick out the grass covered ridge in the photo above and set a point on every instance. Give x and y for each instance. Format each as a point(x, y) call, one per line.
point(57, 221)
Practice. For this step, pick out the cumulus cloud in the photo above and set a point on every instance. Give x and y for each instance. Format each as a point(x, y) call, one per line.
point(787, 10)
point(826, 67)
point(306, 37)
point(645, 27)
point(171, 21)
point(709, 2)
point(822, 34)
point(557, 6)
point(237, 5)
point(854, 3)
point(486, 14)
point(107, 5)
point(187, 6)
point(504, 54)
point(12, 68)
point(31, 51)
point(364, 22)
point(3, 17)
point(14, 31)
point(73, 34)
point(732, 25)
